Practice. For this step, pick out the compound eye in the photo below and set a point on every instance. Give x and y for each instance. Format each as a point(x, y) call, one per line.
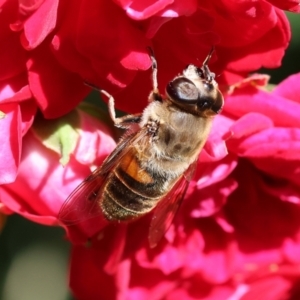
point(218, 103)
point(214, 103)
point(183, 90)
point(204, 103)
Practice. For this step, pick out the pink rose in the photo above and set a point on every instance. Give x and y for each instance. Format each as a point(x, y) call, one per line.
point(56, 157)
point(238, 228)
point(267, 130)
point(56, 46)
point(59, 45)
point(17, 111)
point(241, 209)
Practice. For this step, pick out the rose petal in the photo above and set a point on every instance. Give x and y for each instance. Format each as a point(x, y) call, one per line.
point(54, 97)
point(45, 16)
point(10, 149)
point(289, 88)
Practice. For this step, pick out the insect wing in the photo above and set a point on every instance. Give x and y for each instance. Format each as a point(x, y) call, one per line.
point(166, 209)
point(83, 202)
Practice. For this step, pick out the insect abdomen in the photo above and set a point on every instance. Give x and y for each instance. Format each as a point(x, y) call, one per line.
point(130, 190)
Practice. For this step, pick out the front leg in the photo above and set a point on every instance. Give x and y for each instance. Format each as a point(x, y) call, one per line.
point(122, 122)
point(152, 128)
point(155, 94)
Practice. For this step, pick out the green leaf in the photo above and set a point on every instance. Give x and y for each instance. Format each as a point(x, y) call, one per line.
point(270, 87)
point(2, 115)
point(60, 135)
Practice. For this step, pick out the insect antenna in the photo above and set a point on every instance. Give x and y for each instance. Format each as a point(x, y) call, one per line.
point(208, 57)
point(210, 76)
point(91, 85)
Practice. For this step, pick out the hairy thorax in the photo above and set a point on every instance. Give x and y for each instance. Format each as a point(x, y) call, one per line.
point(179, 138)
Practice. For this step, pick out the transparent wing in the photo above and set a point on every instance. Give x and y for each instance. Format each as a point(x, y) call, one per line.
point(166, 209)
point(84, 202)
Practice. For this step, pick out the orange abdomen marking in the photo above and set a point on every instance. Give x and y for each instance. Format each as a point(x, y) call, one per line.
point(132, 191)
point(131, 167)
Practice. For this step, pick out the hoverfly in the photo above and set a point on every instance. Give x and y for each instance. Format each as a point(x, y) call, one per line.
point(153, 162)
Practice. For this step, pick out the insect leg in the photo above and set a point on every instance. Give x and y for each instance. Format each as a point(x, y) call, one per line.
point(122, 122)
point(155, 94)
point(125, 121)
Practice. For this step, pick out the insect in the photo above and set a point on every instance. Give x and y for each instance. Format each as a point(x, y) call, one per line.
point(154, 161)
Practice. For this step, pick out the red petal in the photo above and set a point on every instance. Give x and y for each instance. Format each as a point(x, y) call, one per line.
point(12, 55)
point(54, 97)
point(38, 26)
point(28, 111)
point(291, 5)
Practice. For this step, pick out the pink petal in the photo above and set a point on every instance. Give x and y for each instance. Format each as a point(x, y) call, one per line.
point(274, 142)
point(40, 24)
point(10, 150)
point(289, 88)
point(28, 111)
point(140, 10)
point(250, 124)
point(15, 90)
point(210, 200)
point(95, 143)
point(282, 111)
